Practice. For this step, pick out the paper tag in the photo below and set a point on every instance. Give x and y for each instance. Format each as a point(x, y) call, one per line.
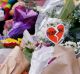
point(55, 34)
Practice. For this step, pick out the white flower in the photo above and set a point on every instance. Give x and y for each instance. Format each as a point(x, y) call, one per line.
point(78, 45)
point(71, 44)
point(61, 44)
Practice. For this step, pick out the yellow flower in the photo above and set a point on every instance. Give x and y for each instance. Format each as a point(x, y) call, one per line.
point(10, 40)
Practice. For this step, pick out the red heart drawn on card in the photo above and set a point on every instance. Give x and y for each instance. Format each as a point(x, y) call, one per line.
point(55, 34)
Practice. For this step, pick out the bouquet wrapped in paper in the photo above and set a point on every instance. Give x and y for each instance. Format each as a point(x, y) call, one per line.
point(13, 61)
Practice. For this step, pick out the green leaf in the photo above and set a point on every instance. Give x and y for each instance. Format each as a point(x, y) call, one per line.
point(28, 53)
point(67, 10)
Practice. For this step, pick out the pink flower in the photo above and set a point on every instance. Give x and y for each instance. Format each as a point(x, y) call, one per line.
point(8, 24)
point(40, 2)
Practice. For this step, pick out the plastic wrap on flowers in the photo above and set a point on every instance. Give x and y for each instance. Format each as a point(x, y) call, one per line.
point(24, 19)
point(45, 24)
point(52, 5)
point(51, 8)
